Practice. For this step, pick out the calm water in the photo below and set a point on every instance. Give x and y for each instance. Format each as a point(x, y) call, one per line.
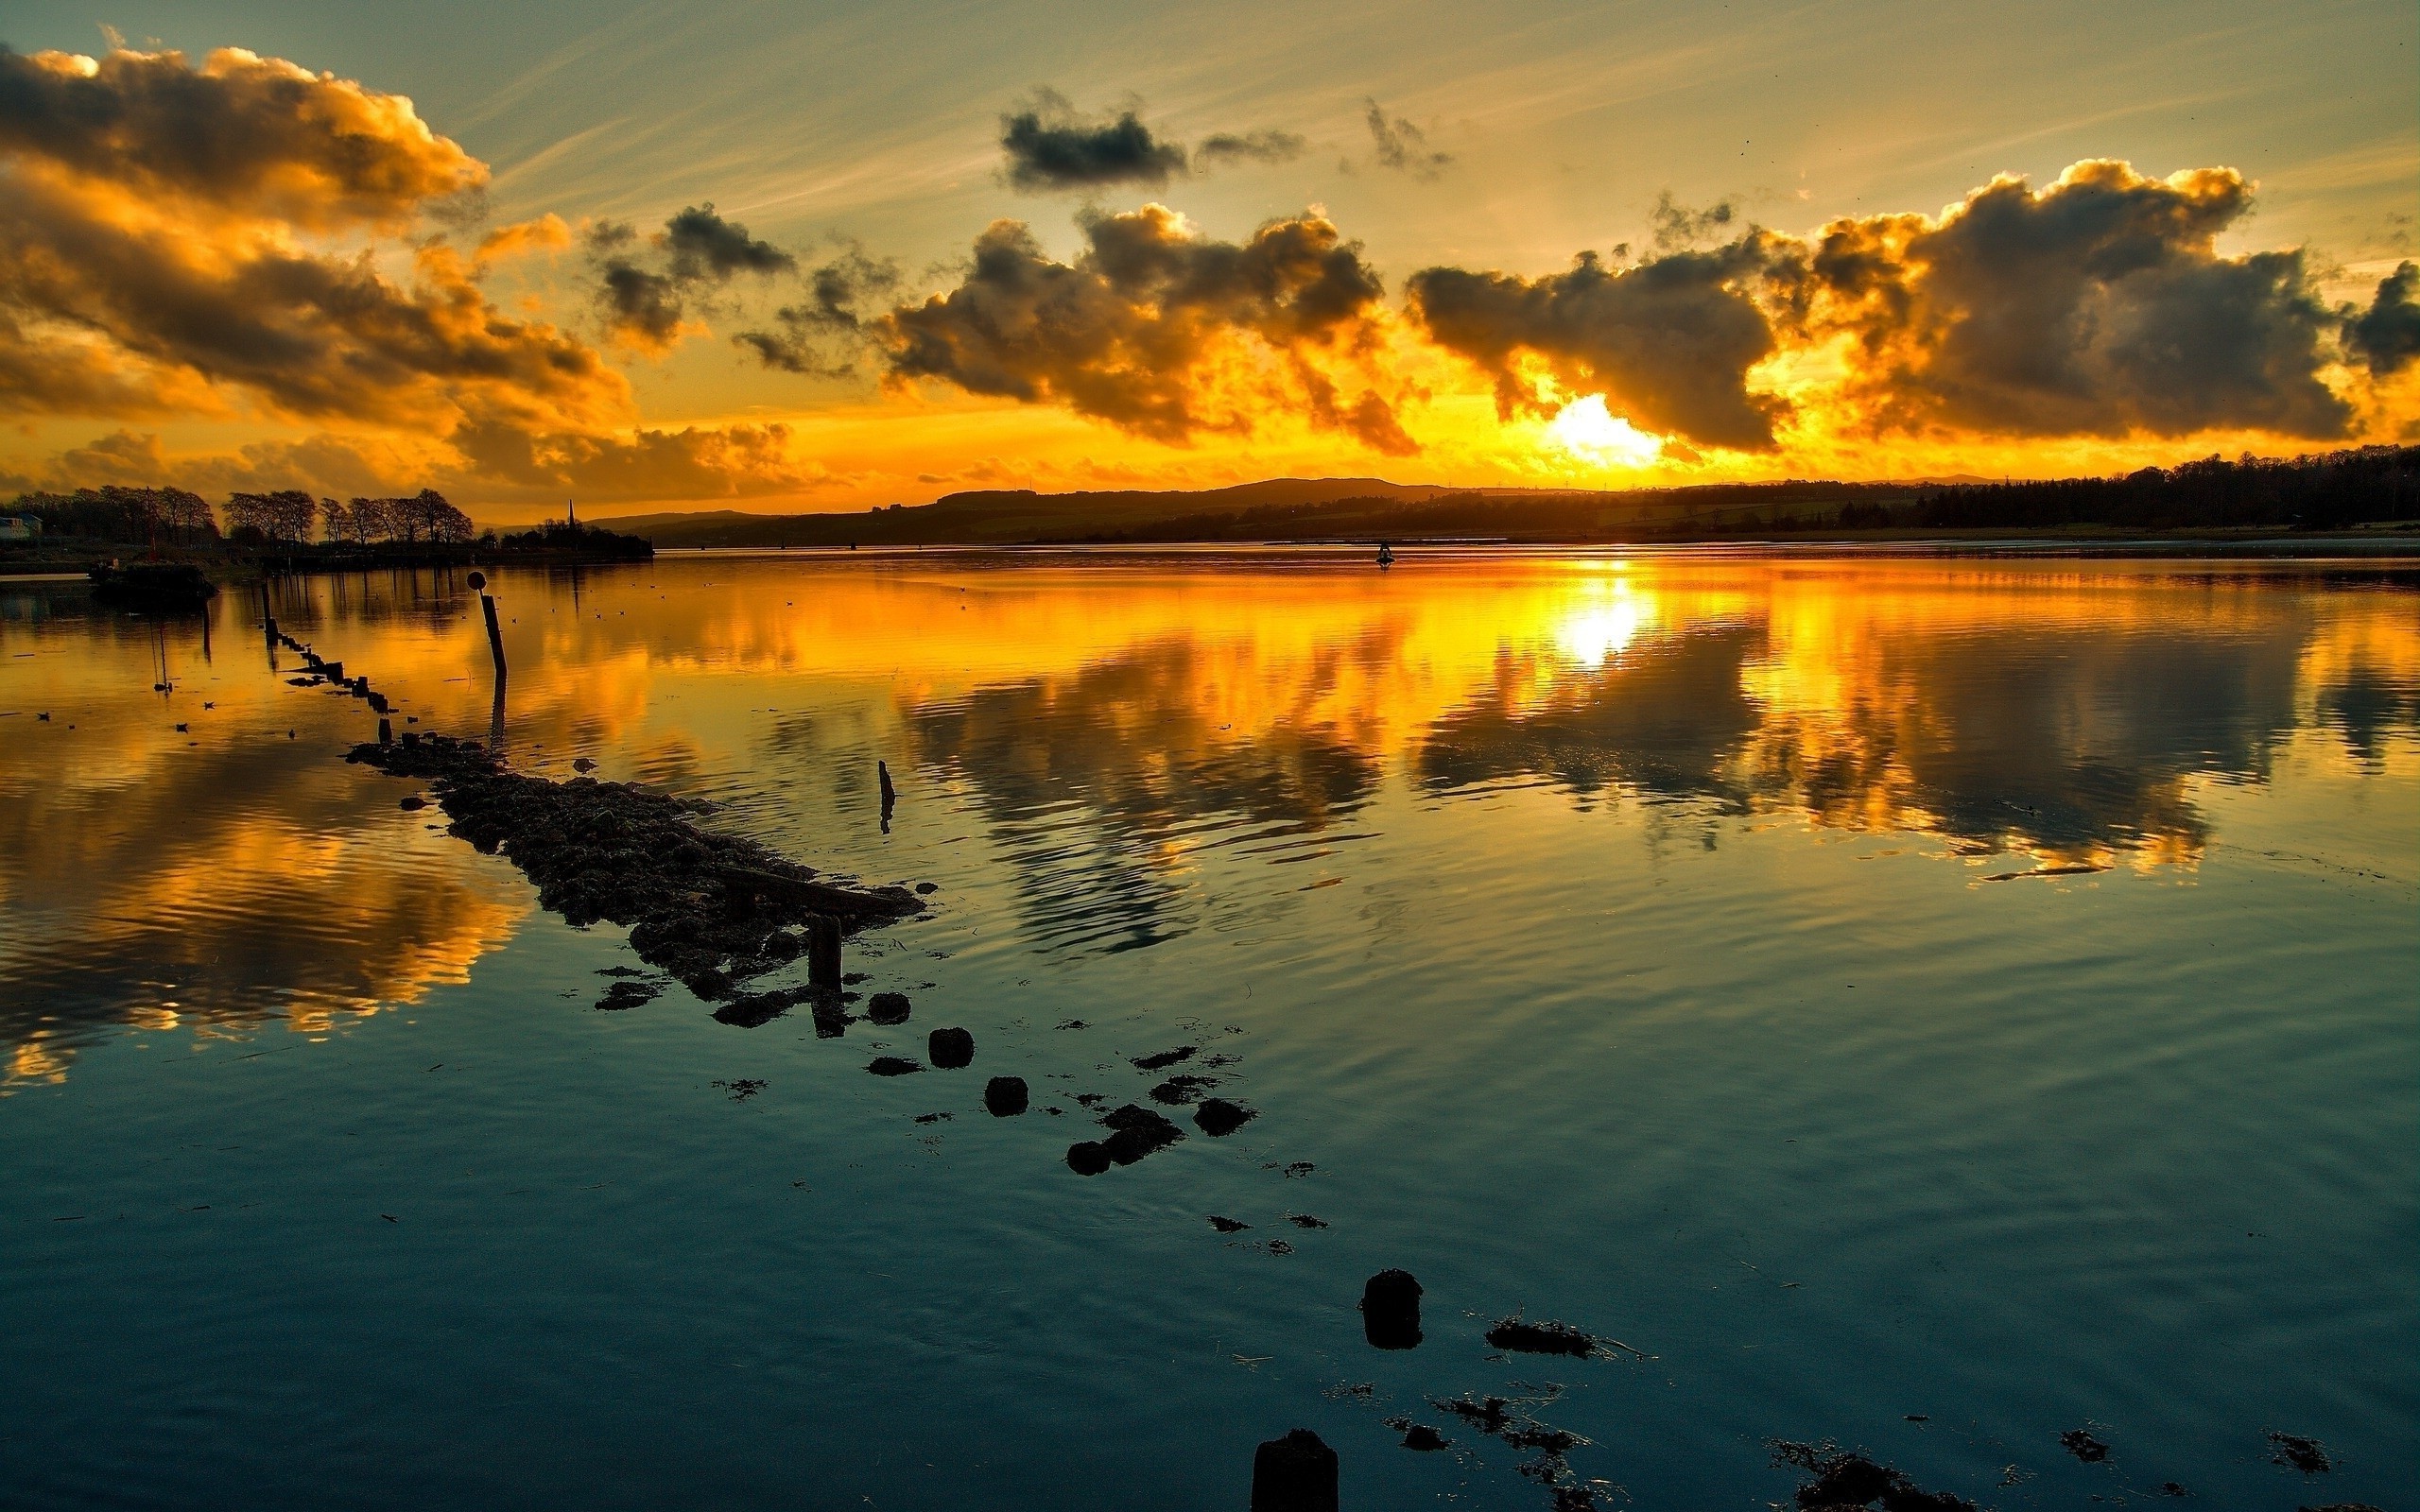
point(1977, 990)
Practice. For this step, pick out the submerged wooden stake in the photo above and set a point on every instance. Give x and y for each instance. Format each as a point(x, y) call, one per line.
point(823, 953)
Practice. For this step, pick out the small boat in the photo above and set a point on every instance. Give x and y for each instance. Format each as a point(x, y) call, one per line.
point(159, 586)
point(1386, 555)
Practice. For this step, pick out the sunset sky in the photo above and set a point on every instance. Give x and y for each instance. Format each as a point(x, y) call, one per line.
point(789, 257)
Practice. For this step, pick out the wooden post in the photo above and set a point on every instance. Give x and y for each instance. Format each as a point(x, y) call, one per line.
point(385, 732)
point(1296, 1473)
point(823, 953)
point(496, 633)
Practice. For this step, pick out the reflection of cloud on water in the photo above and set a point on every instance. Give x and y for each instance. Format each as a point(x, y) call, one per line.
point(214, 881)
point(1658, 719)
point(2022, 724)
point(1103, 782)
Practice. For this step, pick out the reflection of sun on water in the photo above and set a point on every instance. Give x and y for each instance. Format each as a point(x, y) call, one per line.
point(1601, 630)
point(1588, 430)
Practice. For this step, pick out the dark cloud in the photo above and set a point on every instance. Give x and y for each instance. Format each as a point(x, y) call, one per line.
point(1050, 146)
point(1153, 327)
point(706, 247)
point(806, 335)
point(240, 130)
point(1676, 226)
point(1399, 145)
point(647, 293)
point(2387, 335)
point(1229, 147)
point(1670, 340)
point(2097, 306)
point(642, 308)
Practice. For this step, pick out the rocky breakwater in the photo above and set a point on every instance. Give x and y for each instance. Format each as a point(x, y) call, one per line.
point(712, 910)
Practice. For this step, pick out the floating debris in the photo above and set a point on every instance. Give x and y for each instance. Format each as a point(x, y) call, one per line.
point(1159, 1062)
point(1844, 1478)
point(893, 1066)
point(1228, 1225)
point(754, 1010)
point(1523, 1337)
point(2080, 1442)
point(1178, 1091)
point(1304, 1220)
point(622, 995)
point(1219, 1118)
point(1418, 1437)
point(1138, 1132)
point(742, 1089)
point(2295, 1452)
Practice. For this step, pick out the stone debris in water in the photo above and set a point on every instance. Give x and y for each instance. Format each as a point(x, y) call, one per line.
point(1296, 1473)
point(1391, 1310)
point(1419, 1437)
point(1088, 1157)
point(893, 1066)
point(1304, 1220)
point(2295, 1453)
point(1177, 1091)
point(1137, 1133)
point(623, 995)
point(1487, 1414)
point(1228, 1225)
point(1005, 1096)
point(950, 1049)
point(1843, 1478)
point(1219, 1118)
point(2080, 1442)
point(701, 906)
point(752, 1010)
point(887, 1009)
point(1541, 1338)
point(1164, 1058)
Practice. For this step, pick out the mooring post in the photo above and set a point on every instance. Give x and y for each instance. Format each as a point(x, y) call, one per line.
point(496, 634)
point(385, 732)
point(1296, 1473)
point(823, 953)
point(269, 617)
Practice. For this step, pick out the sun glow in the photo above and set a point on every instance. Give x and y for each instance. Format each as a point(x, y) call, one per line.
point(1588, 430)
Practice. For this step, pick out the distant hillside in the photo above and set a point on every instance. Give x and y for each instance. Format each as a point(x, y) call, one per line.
point(2331, 490)
point(1000, 516)
point(1278, 509)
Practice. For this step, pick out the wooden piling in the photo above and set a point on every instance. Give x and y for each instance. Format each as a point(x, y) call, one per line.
point(823, 953)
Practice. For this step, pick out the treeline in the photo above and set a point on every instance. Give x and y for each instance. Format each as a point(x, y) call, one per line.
point(2325, 492)
point(589, 541)
point(1644, 514)
point(286, 517)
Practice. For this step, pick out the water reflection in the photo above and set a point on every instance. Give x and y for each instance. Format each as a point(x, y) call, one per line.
point(1100, 783)
point(1134, 739)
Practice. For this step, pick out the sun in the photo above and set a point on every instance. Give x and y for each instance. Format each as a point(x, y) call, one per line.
point(1588, 431)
